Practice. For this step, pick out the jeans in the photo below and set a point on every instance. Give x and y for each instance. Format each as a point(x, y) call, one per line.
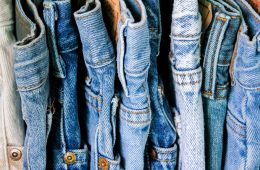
point(31, 72)
point(187, 80)
point(99, 117)
point(65, 147)
point(11, 122)
point(162, 149)
point(243, 117)
point(218, 44)
point(133, 56)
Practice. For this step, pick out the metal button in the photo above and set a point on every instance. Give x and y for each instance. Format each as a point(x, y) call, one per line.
point(70, 158)
point(153, 154)
point(103, 163)
point(15, 154)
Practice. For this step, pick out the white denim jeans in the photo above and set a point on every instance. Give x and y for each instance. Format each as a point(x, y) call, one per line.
point(11, 123)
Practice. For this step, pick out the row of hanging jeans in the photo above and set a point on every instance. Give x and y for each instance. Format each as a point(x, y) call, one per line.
point(129, 84)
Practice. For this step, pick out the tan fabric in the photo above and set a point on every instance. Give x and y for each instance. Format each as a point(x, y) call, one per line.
point(11, 123)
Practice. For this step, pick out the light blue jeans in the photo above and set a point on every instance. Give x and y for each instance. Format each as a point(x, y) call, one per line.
point(187, 80)
point(218, 43)
point(243, 117)
point(66, 150)
point(31, 72)
point(133, 56)
point(99, 116)
point(162, 150)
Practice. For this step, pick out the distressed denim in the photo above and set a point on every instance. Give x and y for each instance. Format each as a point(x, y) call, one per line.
point(99, 127)
point(31, 72)
point(162, 149)
point(187, 80)
point(66, 150)
point(243, 117)
point(219, 45)
point(133, 61)
point(11, 123)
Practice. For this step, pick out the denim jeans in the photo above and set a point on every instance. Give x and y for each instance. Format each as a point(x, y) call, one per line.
point(187, 79)
point(133, 56)
point(161, 144)
point(219, 45)
point(11, 122)
point(66, 150)
point(99, 119)
point(243, 117)
point(31, 72)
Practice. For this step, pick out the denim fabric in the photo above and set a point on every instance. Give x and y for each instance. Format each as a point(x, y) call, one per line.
point(12, 130)
point(187, 79)
point(161, 146)
point(66, 150)
point(243, 117)
point(31, 72)
point(219, 45)
point(100, 103)
point(133, 56)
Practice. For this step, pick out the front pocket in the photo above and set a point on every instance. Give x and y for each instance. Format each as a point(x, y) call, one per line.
point(134, 127)
point(163, 158)
point(236, 153)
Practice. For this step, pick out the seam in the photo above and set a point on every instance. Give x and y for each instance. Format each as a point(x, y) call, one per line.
point(189, 83)
point(101, 64)
point(90, 104)
point(135, 122)
point(165, 160)
point(232, 120)
point(93, 97)
point(147, 111)
point(188, 74)
point(234, 130)
point(34, 86)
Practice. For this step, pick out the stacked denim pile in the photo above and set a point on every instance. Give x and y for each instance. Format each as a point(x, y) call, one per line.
point(129, 84)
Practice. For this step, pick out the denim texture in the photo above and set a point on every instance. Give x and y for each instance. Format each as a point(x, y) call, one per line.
point(161, 142)
point(133, 61)
point(99, 119)
point(243, 117)
point(219, 45)
point(31, 72)
point(12, 130)
point(65, 137)
point(187, 80)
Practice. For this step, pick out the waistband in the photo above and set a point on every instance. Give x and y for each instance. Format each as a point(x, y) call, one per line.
point(251, 18)
point(31, 52)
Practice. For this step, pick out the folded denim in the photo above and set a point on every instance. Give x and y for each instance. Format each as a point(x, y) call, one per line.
point(243, 149)
point(100, 105)
point(31, 72)
point(65, 147)
point(133, 61)
point(218, 43)
point(162, 150)
point(12, 125)
point(187, 80)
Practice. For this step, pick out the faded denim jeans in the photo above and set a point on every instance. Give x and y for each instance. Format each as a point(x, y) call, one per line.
point(11, 123)
point(66, 150)
point(31, 72)
point(162, 150)
point(187, 80)
point(133, 61)
point(99, 116)
point(218, 49)
point(243, 117)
